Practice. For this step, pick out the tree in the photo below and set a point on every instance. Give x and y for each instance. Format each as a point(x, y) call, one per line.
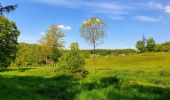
point(8, 41)
point(7, 9)
point(140, 46)
point(150, 44)
point(52, 44)
point(93, 31)
point(26, 55)
point(72, 63)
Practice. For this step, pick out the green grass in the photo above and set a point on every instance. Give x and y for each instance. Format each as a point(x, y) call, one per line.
point(139, 76)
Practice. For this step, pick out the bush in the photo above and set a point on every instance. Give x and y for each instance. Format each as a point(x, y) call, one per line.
point(72, 63)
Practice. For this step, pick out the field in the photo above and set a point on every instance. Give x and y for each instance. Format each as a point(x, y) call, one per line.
point(139, 76)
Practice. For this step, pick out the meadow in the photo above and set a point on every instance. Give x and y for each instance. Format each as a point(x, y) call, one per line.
point(144, 76)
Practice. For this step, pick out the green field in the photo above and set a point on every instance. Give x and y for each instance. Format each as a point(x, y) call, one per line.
point(139, 76)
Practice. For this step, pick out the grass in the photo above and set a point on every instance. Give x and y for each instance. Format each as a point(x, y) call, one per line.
point(140, 76)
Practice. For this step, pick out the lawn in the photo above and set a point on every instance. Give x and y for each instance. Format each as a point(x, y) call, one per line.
point(138, 76)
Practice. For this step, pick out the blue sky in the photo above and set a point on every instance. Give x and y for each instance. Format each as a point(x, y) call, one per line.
point(127, 19)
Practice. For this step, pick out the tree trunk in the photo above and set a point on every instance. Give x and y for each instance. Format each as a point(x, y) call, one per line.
point(94, 57)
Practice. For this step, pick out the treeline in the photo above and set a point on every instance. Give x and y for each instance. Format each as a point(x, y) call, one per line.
point(149, 45)
point(164, 47)
point(112, 52)
point(32, 55)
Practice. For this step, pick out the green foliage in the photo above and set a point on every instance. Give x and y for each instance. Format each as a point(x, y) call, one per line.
point(85, 54)
point(72, 63)
point(8, 41)
point(112, 52)
point(150, 44)
point(7, 9)
point(164, 47)
point(140, 46)
point(27, 55)
point(52, 44)
point(146, 45)
point(93, 31)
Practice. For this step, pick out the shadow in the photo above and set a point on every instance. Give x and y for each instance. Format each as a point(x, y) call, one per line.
point(138, 92)
point(29, 88)
point(16, 69)
point(101, 83)
point(68, 88)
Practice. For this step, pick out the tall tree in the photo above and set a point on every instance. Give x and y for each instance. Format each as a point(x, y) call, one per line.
point(7, 9)
point(52, 43)
point(93, 31)
point(8, 41)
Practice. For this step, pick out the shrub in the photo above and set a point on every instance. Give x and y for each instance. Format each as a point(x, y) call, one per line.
point(72, 63)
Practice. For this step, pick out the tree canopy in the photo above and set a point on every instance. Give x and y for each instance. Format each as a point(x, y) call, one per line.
point(93, 31)
point(7, 9)
point(8, 41)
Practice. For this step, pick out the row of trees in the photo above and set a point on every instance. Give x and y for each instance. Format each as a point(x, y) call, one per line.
point(112, 52)
point(37, 55)
point(50, 50)
point(149, 45)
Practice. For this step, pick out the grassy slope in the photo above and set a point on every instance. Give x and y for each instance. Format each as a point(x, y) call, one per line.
point(144, 76)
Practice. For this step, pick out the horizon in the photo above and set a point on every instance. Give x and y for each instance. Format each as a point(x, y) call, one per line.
point(127, 20)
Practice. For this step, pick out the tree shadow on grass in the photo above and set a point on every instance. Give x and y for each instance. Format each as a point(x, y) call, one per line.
point(33, 88)
point(138, 92)
point(67, 88)
point(16, 69)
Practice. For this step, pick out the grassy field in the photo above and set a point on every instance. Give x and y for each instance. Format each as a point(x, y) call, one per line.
point(139, 77)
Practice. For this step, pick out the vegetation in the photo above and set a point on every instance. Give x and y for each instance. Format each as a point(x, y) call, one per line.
point(8, 42)
point(27, 55)
point(93, 31)
point(52, 44)
point(146, 45)
point(164, 47)
point(7, 9)
point(46, 71)
point(73, 63)
point(138, 76)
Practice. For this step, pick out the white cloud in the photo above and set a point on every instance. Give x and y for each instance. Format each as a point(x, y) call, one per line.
point(56, 2)
point(159, 6)
point(101, 7)
point(147, 19)
point(155, 5)
point(64, 27)
point(42, 33)
point(167, 9)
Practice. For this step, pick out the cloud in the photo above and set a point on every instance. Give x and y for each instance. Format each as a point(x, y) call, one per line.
point(167, 9)
point(159, 6)
point(147, 19)
point(42, 33)
point(64, 27)
point(155, 5)
point(100, 7)
point(56, 2)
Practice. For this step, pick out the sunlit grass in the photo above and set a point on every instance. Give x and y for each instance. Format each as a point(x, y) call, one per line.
point(141, 76)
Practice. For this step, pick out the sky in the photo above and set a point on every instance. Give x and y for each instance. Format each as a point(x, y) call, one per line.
point(127, 20)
